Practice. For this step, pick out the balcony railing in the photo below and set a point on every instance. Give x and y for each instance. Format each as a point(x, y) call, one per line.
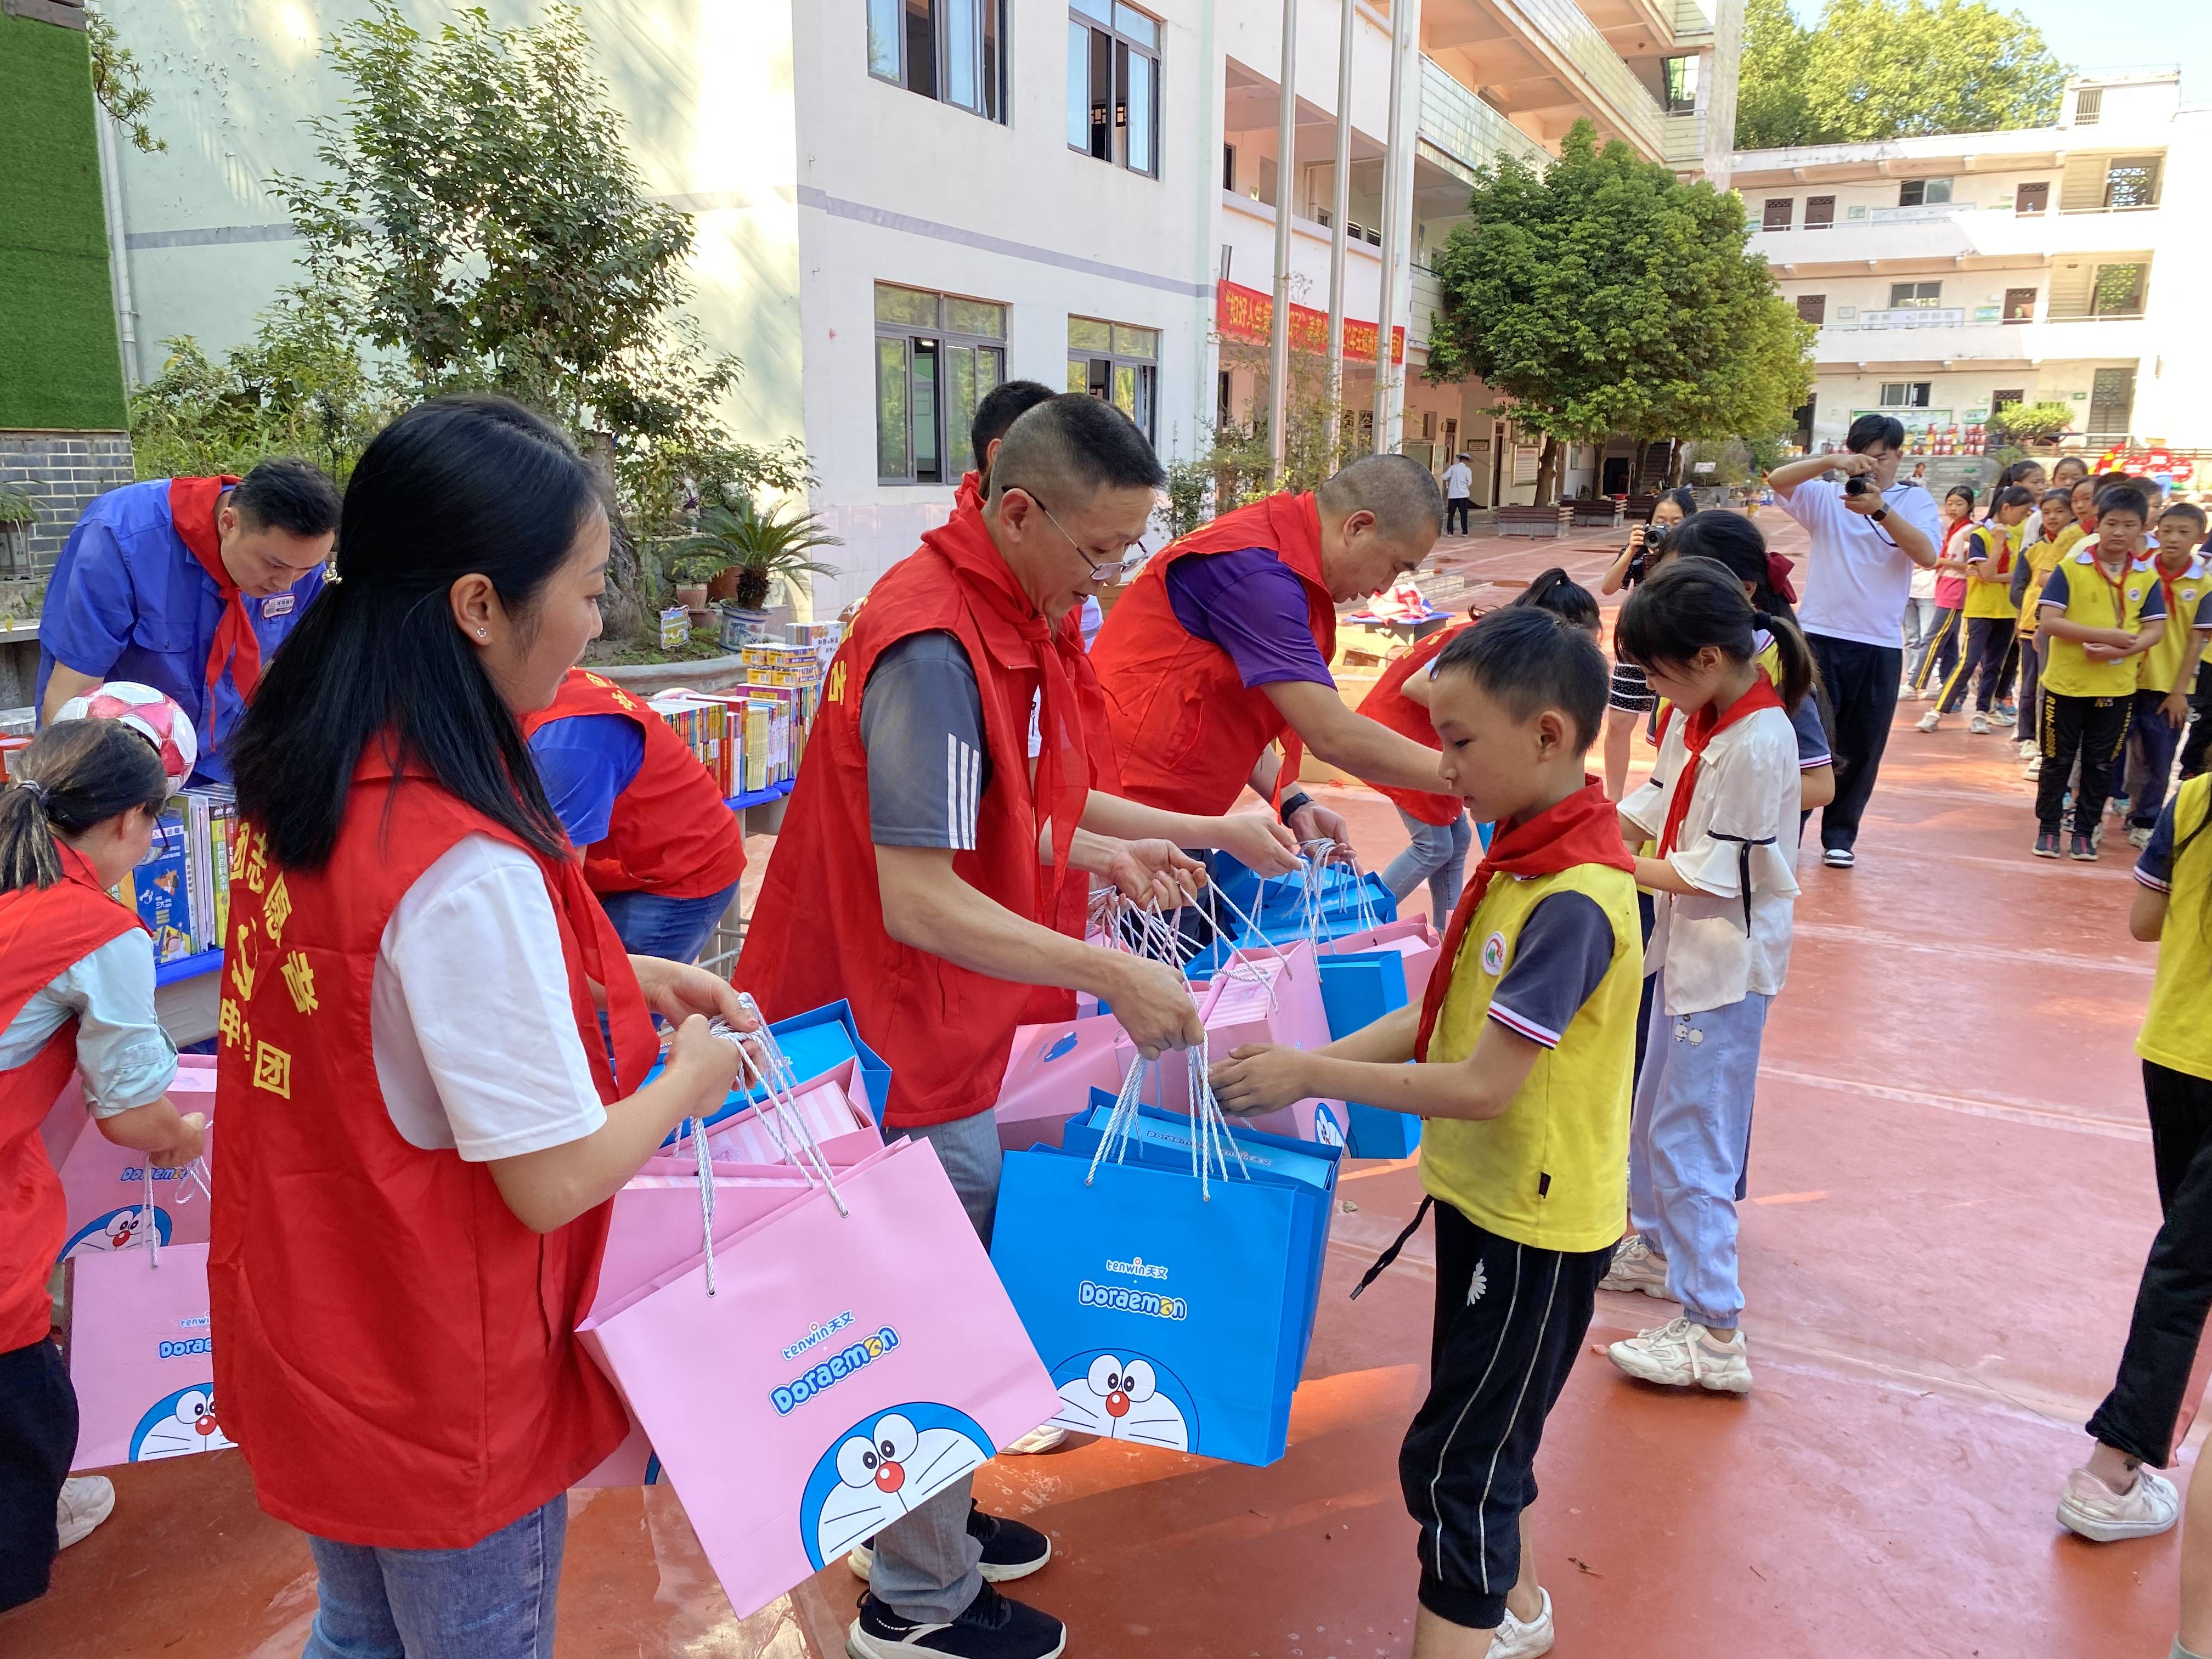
point(1466, 129)
point(1858, 219)
point(1908, 317)
point(1562, 23)
point(1691, 18)
point(1686, 140)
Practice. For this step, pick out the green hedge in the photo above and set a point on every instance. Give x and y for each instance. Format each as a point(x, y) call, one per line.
point(59, 362)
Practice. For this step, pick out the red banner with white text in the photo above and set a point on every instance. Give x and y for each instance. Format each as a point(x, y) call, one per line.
point(1245, 314)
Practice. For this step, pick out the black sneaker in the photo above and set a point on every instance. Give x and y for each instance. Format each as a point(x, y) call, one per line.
point(2085, 849)
point(992, 1627)
point(1011, 1550)
point(2046, 845)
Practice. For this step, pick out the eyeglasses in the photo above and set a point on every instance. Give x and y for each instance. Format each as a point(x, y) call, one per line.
point(1110, 574)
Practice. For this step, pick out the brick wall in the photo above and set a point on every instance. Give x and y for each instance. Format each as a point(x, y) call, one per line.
point(62, 471)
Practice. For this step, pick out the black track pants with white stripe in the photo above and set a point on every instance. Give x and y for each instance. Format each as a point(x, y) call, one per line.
point(1509, 1321)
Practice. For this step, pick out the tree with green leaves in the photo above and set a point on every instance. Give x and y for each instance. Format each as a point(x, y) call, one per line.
point(1604, 295)
point(1872, 69)
point(115, 82)
point(479, 220)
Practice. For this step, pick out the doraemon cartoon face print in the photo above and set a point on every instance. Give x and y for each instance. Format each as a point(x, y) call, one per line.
point(882, 1467)
point(118, 1229)
point(1122, 1400)
point(182, 1424)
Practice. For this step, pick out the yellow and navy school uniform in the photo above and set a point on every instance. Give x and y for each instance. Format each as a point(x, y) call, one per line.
point(2161, 665)
point(1531, 1204)
point(2087, 705)
point(1987, 616)
point(2177, 862)
point(2041, 558)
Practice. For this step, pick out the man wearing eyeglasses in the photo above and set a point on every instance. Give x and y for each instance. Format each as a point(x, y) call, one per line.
point(1220, 650)
point(918, 875)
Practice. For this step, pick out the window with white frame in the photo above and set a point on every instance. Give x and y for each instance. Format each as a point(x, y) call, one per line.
point(1923, 192)
point(937, 357)
point(1915, 296)
point(953, 51)
point(1119, 362)
point(1114, 84)
point(1905, 394)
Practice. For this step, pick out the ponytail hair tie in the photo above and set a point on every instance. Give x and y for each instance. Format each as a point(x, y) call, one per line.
point(36, 790)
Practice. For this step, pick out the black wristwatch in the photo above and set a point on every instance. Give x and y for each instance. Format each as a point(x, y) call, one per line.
point(1879, 514)
point(1293, 805)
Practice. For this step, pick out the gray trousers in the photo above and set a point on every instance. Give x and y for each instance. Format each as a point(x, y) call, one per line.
point(925, 1567)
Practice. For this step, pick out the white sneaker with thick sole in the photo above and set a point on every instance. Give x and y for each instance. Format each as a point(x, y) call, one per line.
point(2033, 769)
point(2027, 748)
point(1839, 857)
point(2138, 836)
point(1515, 1640)
point(1930, 720)
point(2093, 1509)
point(1637, 1266)
point(1979, 726)
point(1682, 1354)
point(85, 1502)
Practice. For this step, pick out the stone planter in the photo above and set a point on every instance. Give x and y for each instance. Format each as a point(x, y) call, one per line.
point(723, 585)
point(692, 596)
point(1544, 523)
point(646, 679)
point(1603, 513)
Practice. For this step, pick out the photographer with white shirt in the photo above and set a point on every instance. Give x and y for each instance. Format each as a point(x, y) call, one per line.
point(1869, 531)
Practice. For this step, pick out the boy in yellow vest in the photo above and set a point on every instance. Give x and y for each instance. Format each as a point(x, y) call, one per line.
point(1526, 1047)
point(2029, 571)
point(2168, 672)
point(1989, 549)
point(2101, 609)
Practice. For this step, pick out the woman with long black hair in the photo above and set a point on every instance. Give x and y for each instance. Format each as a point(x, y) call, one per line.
point(1650, 545)
point(422, 1125)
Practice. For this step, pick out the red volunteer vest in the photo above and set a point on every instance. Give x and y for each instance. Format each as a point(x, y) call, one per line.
point(817, 931)
point(1186, 730)
point(1389, 705)
point(44, 931)
point(670, 831)
point(393, 1350)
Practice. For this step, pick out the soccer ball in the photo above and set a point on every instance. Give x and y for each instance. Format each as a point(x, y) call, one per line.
point(153, 714)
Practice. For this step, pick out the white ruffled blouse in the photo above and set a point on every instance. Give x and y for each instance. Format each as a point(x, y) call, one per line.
point(1738, 847)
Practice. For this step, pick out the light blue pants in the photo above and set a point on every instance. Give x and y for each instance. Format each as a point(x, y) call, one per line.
point(491, 1601)
point(1436, 854)
point(1687, 1147)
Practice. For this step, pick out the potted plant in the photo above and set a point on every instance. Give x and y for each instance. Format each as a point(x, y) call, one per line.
point(755, 547)
point(18, 512)
point(689, 573)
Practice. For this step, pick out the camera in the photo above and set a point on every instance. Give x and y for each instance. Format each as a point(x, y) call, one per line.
point(1861, 484)
point(1656, 538)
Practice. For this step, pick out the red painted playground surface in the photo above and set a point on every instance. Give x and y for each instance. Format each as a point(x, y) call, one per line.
point(1951, 1196)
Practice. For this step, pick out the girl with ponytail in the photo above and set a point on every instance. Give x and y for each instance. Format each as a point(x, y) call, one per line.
point(76, 999)
point(1722, 806)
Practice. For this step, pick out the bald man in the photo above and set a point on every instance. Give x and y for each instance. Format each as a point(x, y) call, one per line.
point(1222, 647)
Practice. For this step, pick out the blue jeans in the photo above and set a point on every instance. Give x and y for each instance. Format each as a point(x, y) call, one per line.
point(1436, 854)
point(1688, 1143)
point(491, 1601)
point(652, 925)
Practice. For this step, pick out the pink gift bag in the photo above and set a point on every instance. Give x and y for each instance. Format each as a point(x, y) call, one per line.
point(1415, 939)
point(104, 1184)
point(848, 1367)
point(829, 1108)
point(1267, 994)
point(1050, 1073)
point(139, 1356)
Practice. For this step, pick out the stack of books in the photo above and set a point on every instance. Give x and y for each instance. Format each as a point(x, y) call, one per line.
point(181, 890)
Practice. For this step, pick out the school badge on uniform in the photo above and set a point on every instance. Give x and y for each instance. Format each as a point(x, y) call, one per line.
point(1493, 955)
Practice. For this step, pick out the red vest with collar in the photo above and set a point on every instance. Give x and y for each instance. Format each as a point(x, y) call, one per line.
point(670, 831)
point(1187, 729)
point(44, 931)
point(1389, 705)
point(817, 931)
point(394, 1352)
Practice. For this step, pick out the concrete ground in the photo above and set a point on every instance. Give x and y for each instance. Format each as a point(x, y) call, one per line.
point(1951, 1196)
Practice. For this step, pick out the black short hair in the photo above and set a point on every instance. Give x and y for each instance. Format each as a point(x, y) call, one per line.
point(1531, 660)
point(1075, 445)
point(1001, 407)
point(1682, 495)
point(2124, 498)
point(2065, 496)
point(1868, 430)
point(2012, 495)
point(2188, 510)
point(294, 496)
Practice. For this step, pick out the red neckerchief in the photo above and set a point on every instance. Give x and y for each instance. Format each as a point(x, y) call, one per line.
point(1583, 829)
point(1062, 789)
point(2001, 554)
point(1778, 577)
point(2118, 585)
point(192, 505)
point(968, 496)
point(2165, 583)
point(1699, 730)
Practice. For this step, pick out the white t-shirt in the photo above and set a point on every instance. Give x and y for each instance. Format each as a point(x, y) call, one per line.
point(474, 1037)
point(1459, 481)
point(1856, 577)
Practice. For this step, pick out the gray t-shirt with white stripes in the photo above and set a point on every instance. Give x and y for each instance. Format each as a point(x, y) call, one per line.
point(921, 723)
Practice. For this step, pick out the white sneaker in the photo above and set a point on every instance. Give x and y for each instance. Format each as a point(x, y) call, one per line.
point(2027, 748)
point(1681, 1352)
point(1998, 717)
point(1839, 857)
point(1046, 1437)
point(2138, 836)
point(2034, 767)
point(1979, 726)
point(1637, 1266)
point(2093, 1509)
point(1931, 720)
point(84, 1504)
point(1515, 1640)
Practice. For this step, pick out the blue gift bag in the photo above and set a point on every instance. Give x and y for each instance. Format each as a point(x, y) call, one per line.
point(1347, 902)
point(1358, 988)
point(1167, 1317)
point(818, 1041)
